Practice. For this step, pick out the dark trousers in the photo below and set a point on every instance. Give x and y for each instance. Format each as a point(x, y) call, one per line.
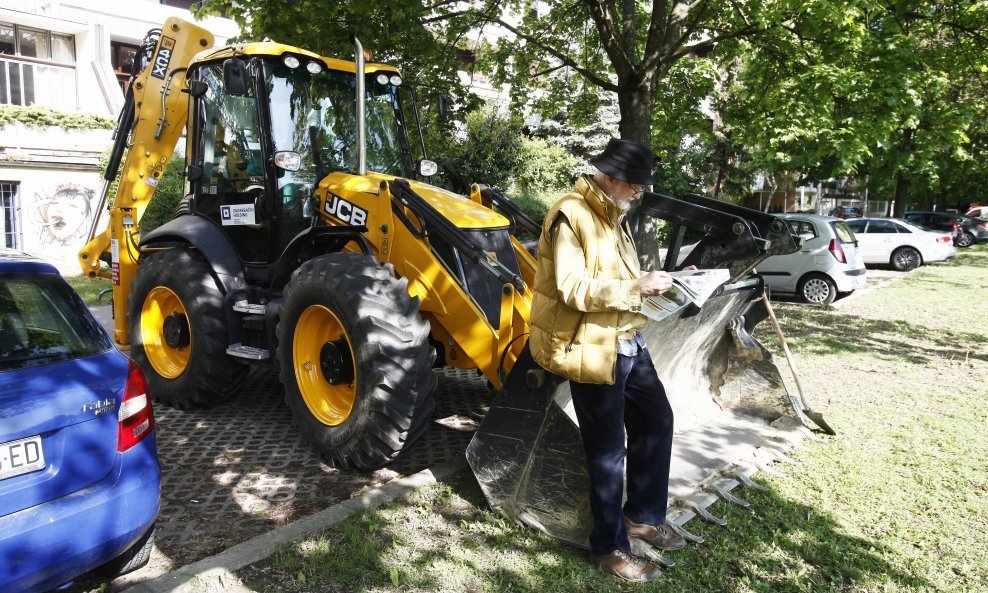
point(636, 402)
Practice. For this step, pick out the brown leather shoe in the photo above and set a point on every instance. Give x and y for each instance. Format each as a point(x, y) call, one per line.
point(625, 566)
point(660, 536)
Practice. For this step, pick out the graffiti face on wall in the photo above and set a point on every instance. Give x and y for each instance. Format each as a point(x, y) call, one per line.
point(63, 217)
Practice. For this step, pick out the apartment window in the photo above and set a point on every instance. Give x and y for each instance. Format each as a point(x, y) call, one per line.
point(186, 4)
point(36, 67)
point(122, 59)
point(8, 214)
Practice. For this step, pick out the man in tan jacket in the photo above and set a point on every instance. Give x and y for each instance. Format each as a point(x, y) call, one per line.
point(584, 327)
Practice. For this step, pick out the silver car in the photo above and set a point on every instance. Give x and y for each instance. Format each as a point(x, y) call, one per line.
point(828, 262)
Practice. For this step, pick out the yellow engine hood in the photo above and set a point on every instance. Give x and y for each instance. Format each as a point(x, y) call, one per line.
point(458, 209)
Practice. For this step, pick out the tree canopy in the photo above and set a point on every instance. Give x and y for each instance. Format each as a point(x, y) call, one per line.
point(893, 91)
point(887, 91)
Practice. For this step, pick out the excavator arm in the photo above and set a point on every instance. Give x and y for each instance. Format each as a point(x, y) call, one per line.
point(154, 115)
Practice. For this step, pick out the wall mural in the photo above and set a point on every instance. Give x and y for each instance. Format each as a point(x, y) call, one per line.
point(62, 218)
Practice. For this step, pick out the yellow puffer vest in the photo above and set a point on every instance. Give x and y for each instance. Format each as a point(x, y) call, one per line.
point(581, 345)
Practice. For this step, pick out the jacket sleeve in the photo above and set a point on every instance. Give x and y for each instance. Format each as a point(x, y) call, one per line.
point(577, 287)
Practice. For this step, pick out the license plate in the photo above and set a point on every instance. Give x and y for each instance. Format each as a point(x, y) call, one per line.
point(21, 456)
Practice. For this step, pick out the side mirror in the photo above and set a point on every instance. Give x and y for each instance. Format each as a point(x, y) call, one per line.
point(443, 108)
point(428, 168)
point(288, 160)
point(235, 77)
point(806, 236)
point(197, 88)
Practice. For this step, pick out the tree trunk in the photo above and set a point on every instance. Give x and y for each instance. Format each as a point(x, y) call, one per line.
point(635, 103)
point(901, 191)
point(901, 176)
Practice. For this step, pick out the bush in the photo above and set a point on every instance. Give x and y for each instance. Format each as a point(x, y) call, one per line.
point(170, 190)
point(42, 117)
point(537, 204)
point(490, 153)
point(545, 166)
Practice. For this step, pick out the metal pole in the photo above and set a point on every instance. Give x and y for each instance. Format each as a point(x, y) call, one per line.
point(358, 51)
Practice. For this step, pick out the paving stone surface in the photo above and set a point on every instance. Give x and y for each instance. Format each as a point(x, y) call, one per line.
point(239, 469)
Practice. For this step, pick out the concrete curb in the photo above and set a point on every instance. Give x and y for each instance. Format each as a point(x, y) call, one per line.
point(216, 572)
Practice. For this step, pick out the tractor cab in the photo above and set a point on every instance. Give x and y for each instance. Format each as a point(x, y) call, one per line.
point(269, 123)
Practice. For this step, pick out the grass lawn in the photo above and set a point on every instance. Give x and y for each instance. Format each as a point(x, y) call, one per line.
point(898, 501)
point(90, 288)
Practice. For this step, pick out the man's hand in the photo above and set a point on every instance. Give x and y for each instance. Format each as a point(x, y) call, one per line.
point(654, 283)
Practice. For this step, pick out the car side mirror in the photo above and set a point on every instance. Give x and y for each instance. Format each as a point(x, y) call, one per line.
point(235, 77)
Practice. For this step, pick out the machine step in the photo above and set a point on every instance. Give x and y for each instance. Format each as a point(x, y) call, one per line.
point(248, 307)
point(241, 351)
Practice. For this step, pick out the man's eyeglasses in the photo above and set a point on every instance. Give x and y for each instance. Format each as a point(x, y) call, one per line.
point(637, 189)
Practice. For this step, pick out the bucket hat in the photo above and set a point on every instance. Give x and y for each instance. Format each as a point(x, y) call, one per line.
point(626, 160)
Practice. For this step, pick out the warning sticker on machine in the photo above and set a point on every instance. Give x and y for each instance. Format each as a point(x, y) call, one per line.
point(115, 261)
point(237, 214)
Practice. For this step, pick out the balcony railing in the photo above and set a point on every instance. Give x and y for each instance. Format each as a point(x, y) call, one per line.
point(29, 82)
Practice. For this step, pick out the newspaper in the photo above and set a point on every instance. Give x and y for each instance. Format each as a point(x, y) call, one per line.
point(688, 286)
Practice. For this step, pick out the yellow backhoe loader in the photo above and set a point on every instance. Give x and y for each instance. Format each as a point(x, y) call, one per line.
point(310, 242)
point(307, 243)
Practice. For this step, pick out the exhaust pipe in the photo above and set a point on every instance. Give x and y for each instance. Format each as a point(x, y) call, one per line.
point(358, 52)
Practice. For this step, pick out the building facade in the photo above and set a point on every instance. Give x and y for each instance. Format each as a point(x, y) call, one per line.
point(74, 57)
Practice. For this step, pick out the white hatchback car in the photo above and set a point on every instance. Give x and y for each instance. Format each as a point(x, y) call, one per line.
point(901, 244)
point(828, 262)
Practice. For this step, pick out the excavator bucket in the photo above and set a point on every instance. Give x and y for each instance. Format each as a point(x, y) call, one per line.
point(729, 400)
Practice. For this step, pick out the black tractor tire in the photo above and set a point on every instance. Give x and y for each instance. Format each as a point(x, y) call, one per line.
point(134, 557)
point(905, 259)
point(817, 289)
point(196, 371)
point(349, 303)
point(965, 239)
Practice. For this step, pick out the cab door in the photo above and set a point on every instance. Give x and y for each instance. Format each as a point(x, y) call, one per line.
point(232, 189)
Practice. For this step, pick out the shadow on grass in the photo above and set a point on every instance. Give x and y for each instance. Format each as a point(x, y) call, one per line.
point(812, 331)
point(782, 545)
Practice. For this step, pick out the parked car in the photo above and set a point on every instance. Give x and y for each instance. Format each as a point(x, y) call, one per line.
point(828, 262)
point(902, 244)
point(79, 474)
point(937, 221)
point(977, 211)
point(973, 231)
point(846, 212)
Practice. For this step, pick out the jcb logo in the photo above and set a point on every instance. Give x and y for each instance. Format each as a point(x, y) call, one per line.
point(345, 211)
point(159, 69)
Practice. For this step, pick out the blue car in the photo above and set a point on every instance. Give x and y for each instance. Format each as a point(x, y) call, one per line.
point(79, 475)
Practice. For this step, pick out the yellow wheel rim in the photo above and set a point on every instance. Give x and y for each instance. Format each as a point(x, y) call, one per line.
point(317, 329)
point(168, 359)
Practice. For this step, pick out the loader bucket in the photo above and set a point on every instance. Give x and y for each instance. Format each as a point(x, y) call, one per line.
point(726, 393)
